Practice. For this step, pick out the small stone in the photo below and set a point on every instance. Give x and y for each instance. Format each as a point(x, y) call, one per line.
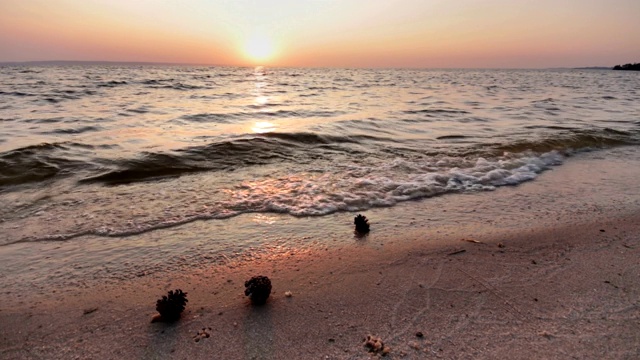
point(374, 344)
point(288, 294)
point(419, 334)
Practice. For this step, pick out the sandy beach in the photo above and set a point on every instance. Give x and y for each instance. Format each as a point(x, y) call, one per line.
point(189, 180)
point(550, 278)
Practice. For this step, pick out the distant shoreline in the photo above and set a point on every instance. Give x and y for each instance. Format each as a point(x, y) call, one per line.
point(114, 63)
point(593, 68)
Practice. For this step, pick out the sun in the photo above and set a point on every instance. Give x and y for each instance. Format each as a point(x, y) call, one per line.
point(259, 48)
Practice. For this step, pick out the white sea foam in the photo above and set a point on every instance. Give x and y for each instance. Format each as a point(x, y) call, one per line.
point(362, 188)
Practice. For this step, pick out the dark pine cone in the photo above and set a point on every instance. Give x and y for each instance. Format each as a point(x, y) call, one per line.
point(362, 224)
point(258, 289)
point(170, 307)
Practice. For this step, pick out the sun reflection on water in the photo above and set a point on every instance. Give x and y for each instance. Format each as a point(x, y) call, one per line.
point(262, 127)
point(261, 100)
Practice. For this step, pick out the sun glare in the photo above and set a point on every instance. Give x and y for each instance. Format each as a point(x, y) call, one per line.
point(262, 127)
point(259, 48)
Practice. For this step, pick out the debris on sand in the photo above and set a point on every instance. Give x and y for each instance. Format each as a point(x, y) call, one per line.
point(546, 335)
point(288, 294)
point(458, 252)
point(375, 345)
point(258, 289)
point(89, 311)
point(202, 334)
point(171, 306)
point(362, 224)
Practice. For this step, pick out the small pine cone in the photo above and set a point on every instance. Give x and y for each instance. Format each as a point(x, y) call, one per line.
point(258, 289)
point(171, 306)
point(362, 224)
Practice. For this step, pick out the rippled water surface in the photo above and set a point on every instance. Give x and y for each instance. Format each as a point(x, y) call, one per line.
point(114, 151)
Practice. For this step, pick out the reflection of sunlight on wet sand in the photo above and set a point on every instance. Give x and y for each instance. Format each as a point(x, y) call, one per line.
point(264, 219)
point(262, 127)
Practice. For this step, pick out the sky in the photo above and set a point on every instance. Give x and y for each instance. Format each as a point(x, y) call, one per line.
point(319, 33)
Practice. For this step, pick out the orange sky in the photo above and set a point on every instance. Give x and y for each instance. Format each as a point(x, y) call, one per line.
point(338, 33)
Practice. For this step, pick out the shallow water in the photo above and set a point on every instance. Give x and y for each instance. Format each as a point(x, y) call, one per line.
point(560, 197)
point(114, 151)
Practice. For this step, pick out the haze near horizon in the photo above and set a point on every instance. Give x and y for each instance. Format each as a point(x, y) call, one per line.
point(348, 33)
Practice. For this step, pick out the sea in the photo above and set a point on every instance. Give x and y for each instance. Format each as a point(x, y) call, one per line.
point(104, 154)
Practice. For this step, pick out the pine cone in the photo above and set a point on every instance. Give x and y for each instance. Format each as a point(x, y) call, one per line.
point(170, 307)
point(362, 224)
point(258, 289)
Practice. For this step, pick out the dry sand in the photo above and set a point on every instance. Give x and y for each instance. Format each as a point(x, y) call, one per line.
point(560, 286)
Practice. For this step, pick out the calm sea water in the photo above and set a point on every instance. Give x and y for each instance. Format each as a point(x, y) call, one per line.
point(113, 151)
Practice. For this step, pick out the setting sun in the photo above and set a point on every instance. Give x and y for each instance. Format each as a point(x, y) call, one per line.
point(259, 48)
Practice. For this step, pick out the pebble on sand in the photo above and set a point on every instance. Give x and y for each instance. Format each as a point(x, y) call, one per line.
point(375, 345)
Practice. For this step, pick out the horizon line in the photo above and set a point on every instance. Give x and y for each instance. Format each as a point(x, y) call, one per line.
point(160, 63)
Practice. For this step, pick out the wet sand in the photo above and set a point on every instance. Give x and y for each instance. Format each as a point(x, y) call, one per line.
point(545, 270)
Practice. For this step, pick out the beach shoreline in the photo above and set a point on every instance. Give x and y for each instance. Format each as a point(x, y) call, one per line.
point(554, 293)
point(560, 282)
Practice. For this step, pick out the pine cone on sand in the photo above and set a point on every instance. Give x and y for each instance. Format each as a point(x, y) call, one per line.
point(171, 306)
point(258, 289)
point(362, 224)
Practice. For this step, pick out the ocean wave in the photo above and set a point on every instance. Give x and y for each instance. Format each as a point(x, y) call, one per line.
point(574, 140)
point(53, 160)
point(226, 155)
point(233, 117)
point(219, 118)
point(354, 187)
point(79, 130)
point(111, 83)
point(435, 111)
point(359, 188)
point(34, 163)
point(17, 93)
point(451, 137)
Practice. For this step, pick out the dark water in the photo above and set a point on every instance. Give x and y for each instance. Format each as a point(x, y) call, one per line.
point(114, 151)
